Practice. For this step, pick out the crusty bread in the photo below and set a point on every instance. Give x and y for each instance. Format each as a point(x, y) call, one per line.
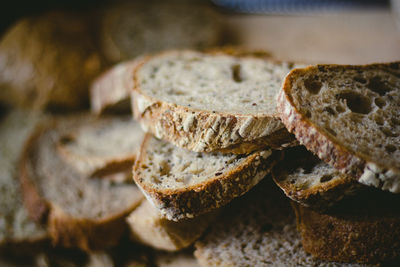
point(148, 227)
point(101, 146)
point(15, 225)
point(83, 212)
point(55, 69)
point(208, 102)
point(132, 28)
point(364, 228)
point(257, 230)
point(111, 91)
point(349, 117)
point(184, 184)
point(304, 178)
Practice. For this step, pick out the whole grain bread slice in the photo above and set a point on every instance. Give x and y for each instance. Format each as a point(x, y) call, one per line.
point(306, 179)
point(148, 227)
point(258, 229)
point(211, 101)
point(364, 228)
point(110, 92)
point(184, 184)
point(16, 228)
point(82, 212)
point(101, 146)
point(349, 117)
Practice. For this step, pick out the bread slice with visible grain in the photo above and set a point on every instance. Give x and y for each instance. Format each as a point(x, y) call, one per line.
point(184, 184)
point(148, 227)
point(110, 92)
point(349, 117)
point(364, 228)
point(306, 179)
point(101, 146)
point(83, 212)
point(208, 102)
point(258, 229)
point(16, 228)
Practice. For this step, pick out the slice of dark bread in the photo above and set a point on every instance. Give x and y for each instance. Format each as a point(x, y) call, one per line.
point(306, 179)
point(364, 228)
point(211, 101)
point(258, 229)
point(184, 184)
point(349, 117)
point(80, 211)
point(16, 228)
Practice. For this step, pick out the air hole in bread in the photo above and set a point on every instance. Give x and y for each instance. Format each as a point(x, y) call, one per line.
point(378, 86)
point(378, 119)
point(332, 132)
point(308, 114)
point(339, 109)
point(312, 85)
point(355, 102)
point(326, 178)
point(390, 148)
point(395, 121)
point(360, 79)
point(386, 131)
point(329, 110)
point(236, 73)
point(380, 102)
point(66, 139)
point(165, 169)
point(155, 179)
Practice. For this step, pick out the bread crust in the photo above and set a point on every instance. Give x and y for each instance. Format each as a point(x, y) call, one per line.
point(207, 130)
point(65, 230)
point(348, 238)
point(318, 141)
point(191, 201)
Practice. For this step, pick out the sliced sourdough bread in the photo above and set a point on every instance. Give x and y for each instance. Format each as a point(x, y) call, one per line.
point(184, 184)
point(100, 146)
point(110, 93)
point(15, 225)
point(364, 228)
point(82, 212)
point(306, 179)
point(148, 227)
point(132, 28)
point(257, 230)
point(349, 117)
point(208, 102)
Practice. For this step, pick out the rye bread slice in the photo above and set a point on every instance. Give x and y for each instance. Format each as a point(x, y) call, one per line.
point(80, 211)
point(184, 184)
point(349, 117)
point(110, 92)
point(211, 101)
point(308, 180)
point(16, 228)
point(149, 228)
point(258, 229)
point(364, 228)
point(101, 146)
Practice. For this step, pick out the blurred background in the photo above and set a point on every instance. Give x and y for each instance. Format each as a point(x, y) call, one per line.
point(48, 47)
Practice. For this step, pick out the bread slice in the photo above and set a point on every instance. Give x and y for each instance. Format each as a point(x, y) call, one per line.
point(15, 225)
point(208, 102)
point(364, 228)
point(110, 92)
point(83, 212)
point(257, 230)
point(349, 117)
point(130, 29)
point(306, 179)
point(184, 184)
point(148, 227)
point(100, 146)
point(58, 78)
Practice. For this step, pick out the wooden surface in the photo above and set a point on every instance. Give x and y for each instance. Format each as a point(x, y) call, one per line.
point(343, 38)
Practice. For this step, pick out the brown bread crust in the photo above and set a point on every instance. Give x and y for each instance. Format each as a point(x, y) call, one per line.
point(318, 141)
point(345, 237)
point(185, 127)
point(177, 204)
point(65, 230)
